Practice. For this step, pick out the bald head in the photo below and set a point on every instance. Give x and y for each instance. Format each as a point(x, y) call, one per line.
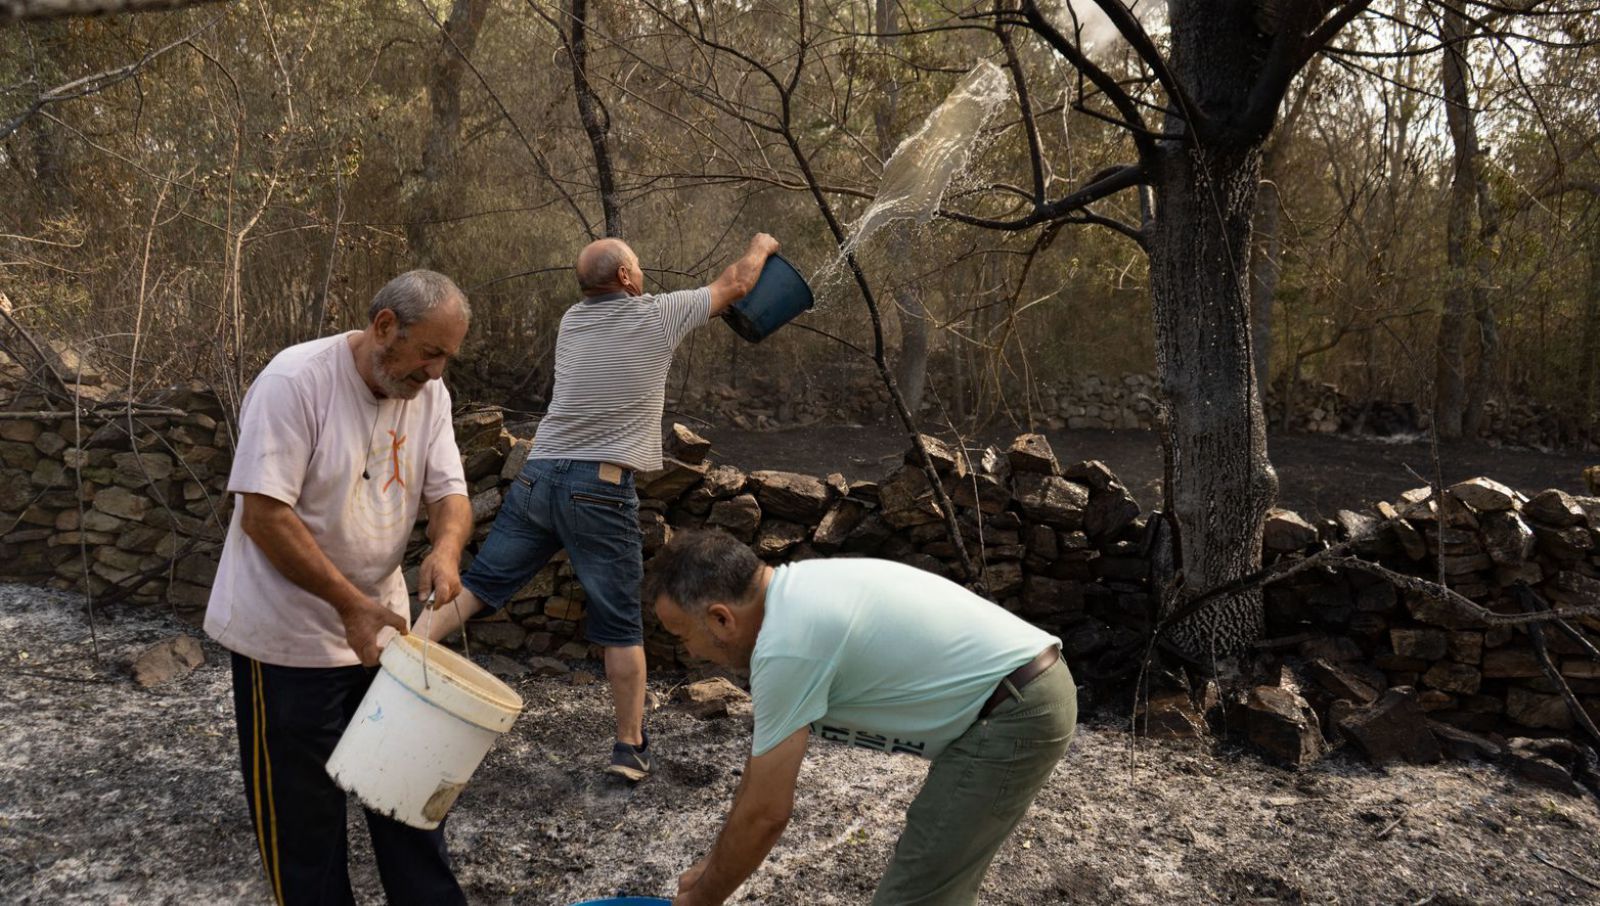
point(607, 266)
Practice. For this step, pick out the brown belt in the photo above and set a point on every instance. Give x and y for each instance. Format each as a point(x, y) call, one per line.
point(1019, 678)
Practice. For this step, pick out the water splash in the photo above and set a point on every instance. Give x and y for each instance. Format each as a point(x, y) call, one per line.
point(916, 175)
point(920, 170)
point(1090, 24)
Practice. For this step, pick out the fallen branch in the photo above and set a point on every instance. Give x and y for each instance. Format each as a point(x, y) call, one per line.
point(62, 679)
point(122, 590)
point(122, 411)
point(61, 387)
point(1261, 578)
point(1466, 606)
point(1565, 870)
point(1532, 604)
point(1389, 829)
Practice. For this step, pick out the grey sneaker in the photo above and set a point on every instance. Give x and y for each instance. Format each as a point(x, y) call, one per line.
point(630, 762)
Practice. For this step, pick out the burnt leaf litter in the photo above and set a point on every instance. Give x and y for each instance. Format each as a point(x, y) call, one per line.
point(110, 793)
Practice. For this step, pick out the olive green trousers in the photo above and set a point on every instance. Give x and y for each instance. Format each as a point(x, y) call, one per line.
point(977, 790)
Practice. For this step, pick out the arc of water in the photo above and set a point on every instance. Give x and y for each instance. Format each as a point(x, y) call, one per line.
point(920, 170)
point(922, 167)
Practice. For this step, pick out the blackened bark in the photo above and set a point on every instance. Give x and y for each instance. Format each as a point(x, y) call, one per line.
point(1266, 264)
point(1205, 194)
point(1482, 380)
point(1589, 345)
point(426, 190)
point(911, 359)
point(1483, 299)
point(50, 174)
point(1266, 251)
point(592, 111)
point(1450, 363)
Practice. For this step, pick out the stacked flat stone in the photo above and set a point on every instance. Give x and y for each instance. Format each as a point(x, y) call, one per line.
point(1063, 546)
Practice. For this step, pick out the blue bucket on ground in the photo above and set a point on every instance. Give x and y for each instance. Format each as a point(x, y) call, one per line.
point(626, 901)
point(779, 295)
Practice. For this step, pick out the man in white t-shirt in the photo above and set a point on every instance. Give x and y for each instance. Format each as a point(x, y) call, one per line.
point(342, 441)
point(882, 656)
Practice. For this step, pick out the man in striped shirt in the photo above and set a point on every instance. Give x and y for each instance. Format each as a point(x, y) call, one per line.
point(577, 492)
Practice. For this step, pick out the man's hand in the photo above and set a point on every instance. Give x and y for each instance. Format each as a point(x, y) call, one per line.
point(292, 551)
point(686, 883)
point(440, 576)
point(741, 276)
point(761, 810)
point(763, 244)
point(362, 625)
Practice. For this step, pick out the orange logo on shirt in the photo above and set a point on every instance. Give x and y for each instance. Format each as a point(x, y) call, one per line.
point(395, 443)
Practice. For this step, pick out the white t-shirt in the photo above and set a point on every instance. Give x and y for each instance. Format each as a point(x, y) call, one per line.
point(308, 428)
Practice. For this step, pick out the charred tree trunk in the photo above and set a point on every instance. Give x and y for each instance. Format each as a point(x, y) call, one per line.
point(911, 359)
point(1205, 192)
point(1483, 300)
point(50, 176)
point(1589, 348)
point(592, 111)
point(1450, 364)
point(1488, 360)
point(911, 362)
point(425, 190)
point(1266, 251)
point(1266, 264)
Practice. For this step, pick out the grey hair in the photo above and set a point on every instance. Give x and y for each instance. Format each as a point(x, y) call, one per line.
point(413, 294)
point(700, 567)
point(600, 270)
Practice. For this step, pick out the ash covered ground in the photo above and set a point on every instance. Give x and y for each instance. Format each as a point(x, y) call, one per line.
point(110, 793)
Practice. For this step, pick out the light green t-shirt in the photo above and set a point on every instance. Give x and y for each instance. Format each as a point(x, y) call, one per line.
point(879, 655)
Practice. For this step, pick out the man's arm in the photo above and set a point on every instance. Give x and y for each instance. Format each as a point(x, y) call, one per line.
point(291, 549)
point(759, 815)
point(741, 276)
point(449, 527)
point(441, 570)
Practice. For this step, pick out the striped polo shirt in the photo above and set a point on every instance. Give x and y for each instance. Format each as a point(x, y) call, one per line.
point(612, 357)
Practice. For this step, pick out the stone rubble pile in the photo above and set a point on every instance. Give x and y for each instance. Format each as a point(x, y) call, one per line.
point(140, 497)
point(1401, 674)
point(1394, 673)
point(1059, 546)
point(1097, 402)
point(784, 399)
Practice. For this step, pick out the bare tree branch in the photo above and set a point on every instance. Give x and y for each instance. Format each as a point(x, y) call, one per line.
point(92, 84)
point(22, 10)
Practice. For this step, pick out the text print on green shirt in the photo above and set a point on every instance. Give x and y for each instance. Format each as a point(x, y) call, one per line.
point(866, 739)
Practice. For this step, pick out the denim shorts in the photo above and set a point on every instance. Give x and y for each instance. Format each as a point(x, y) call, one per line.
point(563, 503)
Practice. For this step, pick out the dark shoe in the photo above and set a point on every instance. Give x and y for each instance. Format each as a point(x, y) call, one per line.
point(630, 762)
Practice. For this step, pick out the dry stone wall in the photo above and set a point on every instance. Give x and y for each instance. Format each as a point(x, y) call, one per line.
point(135, 510)
point(1128, 401)
point(1504, 551)
point(125, 506)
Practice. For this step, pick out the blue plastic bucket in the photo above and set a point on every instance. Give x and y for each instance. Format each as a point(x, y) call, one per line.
point(626, 901)
point(779, 295)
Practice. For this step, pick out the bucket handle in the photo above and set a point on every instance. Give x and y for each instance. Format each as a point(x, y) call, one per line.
point(427, 611)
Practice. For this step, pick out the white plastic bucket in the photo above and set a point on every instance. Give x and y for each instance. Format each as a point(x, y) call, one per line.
point(416, 739)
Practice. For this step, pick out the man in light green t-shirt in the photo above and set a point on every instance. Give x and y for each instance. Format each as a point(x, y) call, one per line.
point(886, 657)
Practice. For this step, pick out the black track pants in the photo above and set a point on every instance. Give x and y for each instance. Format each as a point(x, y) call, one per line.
point(290, 719)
